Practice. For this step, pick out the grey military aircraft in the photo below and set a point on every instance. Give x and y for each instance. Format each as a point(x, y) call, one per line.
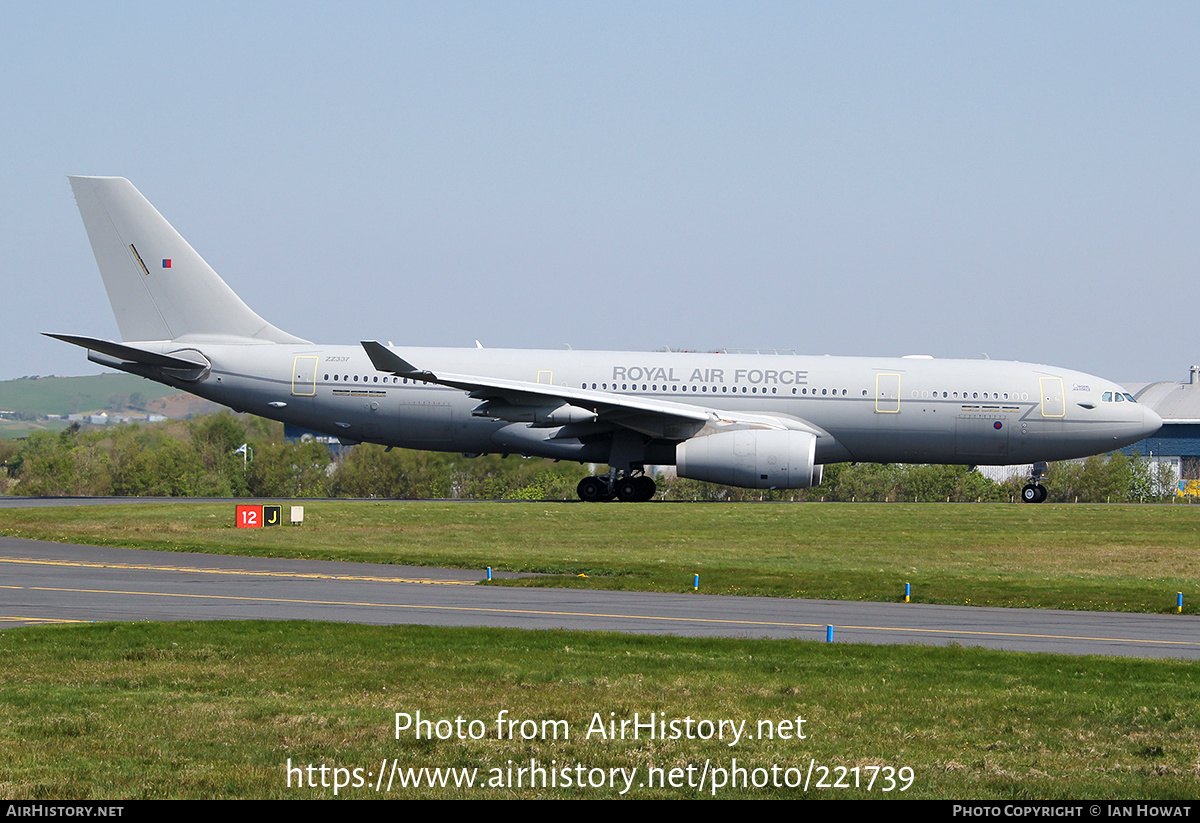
point(751, 420)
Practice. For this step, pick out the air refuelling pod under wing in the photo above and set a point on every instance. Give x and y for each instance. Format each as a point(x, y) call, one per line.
point(751, 458)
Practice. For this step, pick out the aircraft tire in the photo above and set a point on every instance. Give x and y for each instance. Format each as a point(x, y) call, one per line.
point(629, 490)
point(646, 488)
point(1033, 494)
point(591, 490)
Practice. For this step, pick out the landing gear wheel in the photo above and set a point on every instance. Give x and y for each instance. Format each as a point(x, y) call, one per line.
point(629, 489)
point(635, 489)
point(1033, 494)
point(591, 490)
point(646, 488)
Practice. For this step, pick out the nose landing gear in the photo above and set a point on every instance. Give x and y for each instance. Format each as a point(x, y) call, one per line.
point(1034, 491)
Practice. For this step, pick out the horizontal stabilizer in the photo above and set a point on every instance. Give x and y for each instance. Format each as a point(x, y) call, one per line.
point(190, 362)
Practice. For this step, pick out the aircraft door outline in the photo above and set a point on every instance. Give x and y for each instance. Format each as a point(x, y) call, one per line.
point(304, 375)
point(887, 393)
point(1054, 398)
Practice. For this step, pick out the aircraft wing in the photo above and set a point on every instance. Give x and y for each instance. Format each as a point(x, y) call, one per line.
point(560, 405)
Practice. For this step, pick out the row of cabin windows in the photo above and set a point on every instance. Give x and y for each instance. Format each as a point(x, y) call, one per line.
point(807, 392)
point(345, 378)
point(976, 395)
point(1107, 397)
point(704, 388)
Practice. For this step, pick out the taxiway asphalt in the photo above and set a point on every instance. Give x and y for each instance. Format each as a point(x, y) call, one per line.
point(54, 583)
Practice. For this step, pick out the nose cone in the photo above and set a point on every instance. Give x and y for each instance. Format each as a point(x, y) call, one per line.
point(1151, 422)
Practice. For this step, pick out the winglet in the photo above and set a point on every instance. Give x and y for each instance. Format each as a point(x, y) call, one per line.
point(384, 359)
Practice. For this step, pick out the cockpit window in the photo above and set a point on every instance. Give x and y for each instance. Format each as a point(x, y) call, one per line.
point(1129, 397)
point(1106, 397)
point(1119, 398)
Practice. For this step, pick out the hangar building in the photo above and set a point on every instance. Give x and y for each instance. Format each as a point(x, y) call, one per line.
point(1177, 443)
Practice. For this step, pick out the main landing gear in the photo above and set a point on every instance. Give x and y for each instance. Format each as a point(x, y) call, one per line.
point(629, 488)
point(1034, 491)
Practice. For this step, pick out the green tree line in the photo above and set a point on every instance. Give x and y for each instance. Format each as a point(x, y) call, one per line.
point(200, 458)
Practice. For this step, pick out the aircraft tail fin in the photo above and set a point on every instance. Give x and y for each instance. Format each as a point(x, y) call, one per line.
point(158, 286)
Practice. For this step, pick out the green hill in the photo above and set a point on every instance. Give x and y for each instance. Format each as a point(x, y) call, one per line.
point(30, 397)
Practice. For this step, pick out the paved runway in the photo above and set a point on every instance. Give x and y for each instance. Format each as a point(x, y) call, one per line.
point(50, 583)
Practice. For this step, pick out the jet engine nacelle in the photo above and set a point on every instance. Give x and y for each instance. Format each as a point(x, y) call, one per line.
point(752, 459)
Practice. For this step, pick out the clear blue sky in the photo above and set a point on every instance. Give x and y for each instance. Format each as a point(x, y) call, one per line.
point(889, 178)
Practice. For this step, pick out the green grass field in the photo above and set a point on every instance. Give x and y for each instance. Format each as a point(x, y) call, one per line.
point(1107, 558)
point(16, 429)
point(111, 711)
point(216, 710)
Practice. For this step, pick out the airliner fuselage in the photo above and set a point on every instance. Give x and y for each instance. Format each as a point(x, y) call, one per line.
point(753, 420)
point(916, 410)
